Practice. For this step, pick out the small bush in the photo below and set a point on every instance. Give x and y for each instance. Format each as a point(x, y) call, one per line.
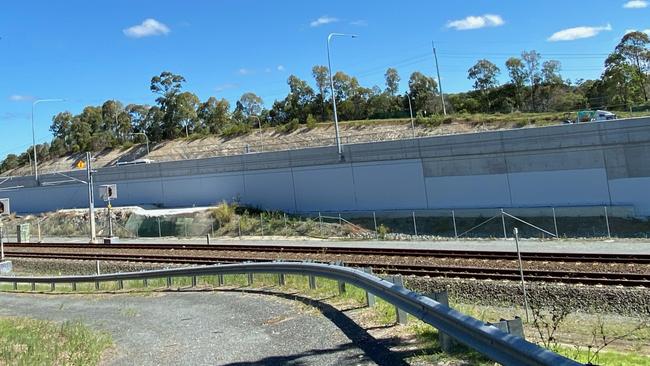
point(311, 121)
point(224, 212)
point(288, 127)
point(235, 129)
point(382, 231)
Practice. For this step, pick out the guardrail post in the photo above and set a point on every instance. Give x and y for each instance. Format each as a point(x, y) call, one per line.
point(169, 282)
point(120, 284)
point(193, 281)
point(281, 279)
point(249, 279)
point(402, 316)
point(312, 282)
point(514, 326)
point(371, 300)
point(446, 342)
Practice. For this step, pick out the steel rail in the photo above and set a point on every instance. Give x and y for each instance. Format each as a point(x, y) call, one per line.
point(487, 340)
point(442, 253)
point(570, 277)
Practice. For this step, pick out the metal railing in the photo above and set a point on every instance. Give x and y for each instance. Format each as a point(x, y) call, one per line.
point(487, 340)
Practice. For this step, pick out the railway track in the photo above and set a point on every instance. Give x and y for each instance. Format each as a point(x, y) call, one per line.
point(176, 256)
point(432, 253)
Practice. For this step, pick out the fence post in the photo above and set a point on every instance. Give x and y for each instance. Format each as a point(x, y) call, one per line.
point(193, 281)
point(285, 220)
point(281, 279)
point(374, 218)
point(415, 225)
point(97, 268)
point(503, 221)
point(239, 227)
point(557, 234)
point(120, 284)
point(521, 272)
point(262, 223)
point(312, 282)
point(74, 286)
point(159, 228)
point(609, 233)
point(453, 219)
point(320, 221)
point(220, 280)
point(38, 225)
point(208, 238)
point(169, 282)
point(249, 279)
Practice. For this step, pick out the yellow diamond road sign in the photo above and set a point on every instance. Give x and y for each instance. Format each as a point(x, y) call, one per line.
point(81, 164)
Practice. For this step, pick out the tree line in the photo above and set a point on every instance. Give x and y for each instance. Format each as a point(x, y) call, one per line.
point(534, 85)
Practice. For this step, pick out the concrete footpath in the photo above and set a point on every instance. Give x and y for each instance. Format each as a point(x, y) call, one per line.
point(204, 328)
point(619, 246)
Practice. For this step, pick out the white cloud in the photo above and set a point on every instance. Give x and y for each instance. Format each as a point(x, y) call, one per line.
point(280, 68)
point(223, 87)
point(20, 98)
point(149, 27)
point(476, 22)
point(636, 4)
point(359, 23)
point(244, 71)
point(572, 34)
point(322, 21)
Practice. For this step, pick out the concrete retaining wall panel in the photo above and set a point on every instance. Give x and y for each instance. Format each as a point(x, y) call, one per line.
point(270, 189)
point(468, 191)
point(325, 188)
point(560, 188)
point(401, 187)
point(632, 191)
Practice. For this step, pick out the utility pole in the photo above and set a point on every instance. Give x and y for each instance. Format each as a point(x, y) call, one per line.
point(442, 96)
point(91, 198)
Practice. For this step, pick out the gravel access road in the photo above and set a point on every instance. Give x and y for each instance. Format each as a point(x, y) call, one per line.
point(201, 328)
point(618, 246)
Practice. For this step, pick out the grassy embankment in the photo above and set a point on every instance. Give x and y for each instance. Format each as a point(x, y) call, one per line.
point(26, 341)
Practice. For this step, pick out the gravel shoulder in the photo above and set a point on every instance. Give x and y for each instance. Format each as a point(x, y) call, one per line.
point(200, 328)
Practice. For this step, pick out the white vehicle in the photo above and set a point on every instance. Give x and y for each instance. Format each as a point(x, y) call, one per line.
point(135, 162)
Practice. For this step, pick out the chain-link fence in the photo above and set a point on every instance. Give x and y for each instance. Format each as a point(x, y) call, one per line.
point(538, 222)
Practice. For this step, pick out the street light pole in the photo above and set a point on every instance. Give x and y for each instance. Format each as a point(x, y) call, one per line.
point(442, 96)
point(329, 64)
point(91, 198)
point(34, 134)
point(145, 138)
point(408, 96)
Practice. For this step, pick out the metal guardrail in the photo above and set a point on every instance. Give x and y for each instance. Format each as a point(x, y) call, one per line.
point(487, 340)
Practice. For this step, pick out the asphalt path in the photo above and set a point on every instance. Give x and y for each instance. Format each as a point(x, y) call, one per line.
point(206, 328)
point(619, 246)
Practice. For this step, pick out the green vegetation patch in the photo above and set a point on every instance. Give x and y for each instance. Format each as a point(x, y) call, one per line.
point(26, 341)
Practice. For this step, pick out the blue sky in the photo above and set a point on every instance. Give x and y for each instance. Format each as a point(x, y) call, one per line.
point(88, 51)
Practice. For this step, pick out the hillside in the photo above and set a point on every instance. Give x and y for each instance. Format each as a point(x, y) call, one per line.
point(271, 139)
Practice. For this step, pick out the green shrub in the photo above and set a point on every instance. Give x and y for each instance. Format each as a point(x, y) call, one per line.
point(311, 121)
point(288, 127)
point(224, 212)
point(235, 129)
